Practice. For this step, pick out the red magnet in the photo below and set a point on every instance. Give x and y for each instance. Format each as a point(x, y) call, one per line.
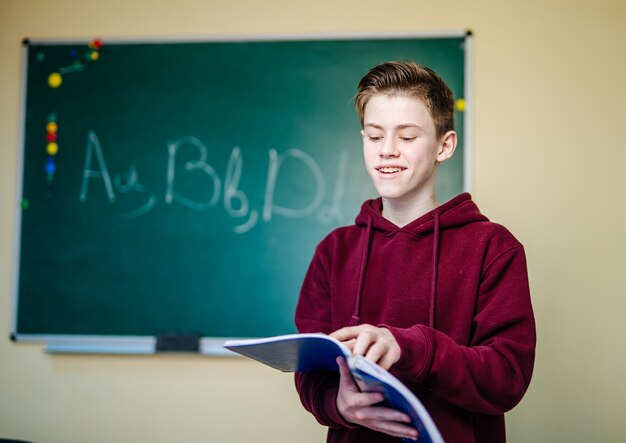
point(96, 44)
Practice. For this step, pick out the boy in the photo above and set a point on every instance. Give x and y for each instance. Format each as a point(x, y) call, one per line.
point(434, 293)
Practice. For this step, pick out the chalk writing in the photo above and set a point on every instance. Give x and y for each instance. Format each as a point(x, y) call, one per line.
point(231, 192)
point(94, 144)
point(170, 195)
point(275, 163)
point(235, 200)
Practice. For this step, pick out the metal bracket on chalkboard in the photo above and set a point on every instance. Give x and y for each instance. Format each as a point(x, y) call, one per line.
point(178, 343)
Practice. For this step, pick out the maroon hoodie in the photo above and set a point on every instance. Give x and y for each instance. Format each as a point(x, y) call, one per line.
point(452, 288)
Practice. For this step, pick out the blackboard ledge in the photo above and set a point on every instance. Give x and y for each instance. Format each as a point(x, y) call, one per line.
point(91, 344)
point(109, 344)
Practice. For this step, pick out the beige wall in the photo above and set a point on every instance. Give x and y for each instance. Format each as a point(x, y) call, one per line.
point(550, 93)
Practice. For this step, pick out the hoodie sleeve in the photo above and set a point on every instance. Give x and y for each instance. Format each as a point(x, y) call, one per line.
point(491, 373)
point(318, 390)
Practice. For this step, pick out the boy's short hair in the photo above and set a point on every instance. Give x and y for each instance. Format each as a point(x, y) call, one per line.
point(413, 80)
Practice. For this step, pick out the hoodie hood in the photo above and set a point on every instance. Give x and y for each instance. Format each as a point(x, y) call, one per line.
point(456, 212)
point(459, 211)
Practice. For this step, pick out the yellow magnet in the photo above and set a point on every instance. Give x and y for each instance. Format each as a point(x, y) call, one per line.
point(55, 80)
point(52, 148)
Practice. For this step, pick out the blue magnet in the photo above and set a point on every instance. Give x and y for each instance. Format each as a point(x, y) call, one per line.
point(51, 167)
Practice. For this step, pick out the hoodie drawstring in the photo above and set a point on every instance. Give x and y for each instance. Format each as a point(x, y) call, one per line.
point(433, 288)
point(356, 320)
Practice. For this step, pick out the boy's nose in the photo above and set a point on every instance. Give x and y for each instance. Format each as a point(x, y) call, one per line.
point(388, 148)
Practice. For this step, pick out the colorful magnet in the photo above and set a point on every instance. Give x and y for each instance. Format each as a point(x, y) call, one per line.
point(40, 56)
point(25, 204)
point(55, 80)
point(52, 148)
point(92, 56)
point(95, 44)
point(460, 105)
point(52, 128)
point(51, 167)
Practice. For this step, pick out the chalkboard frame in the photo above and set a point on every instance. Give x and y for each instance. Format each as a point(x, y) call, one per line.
point(127, 344)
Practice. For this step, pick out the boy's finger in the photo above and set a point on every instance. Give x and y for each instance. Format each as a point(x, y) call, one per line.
point(363, 343)
point(349, 343)
point(347, 333)
point(345, 377)
point(346, 382)
point(376, 352)
point(389, 359)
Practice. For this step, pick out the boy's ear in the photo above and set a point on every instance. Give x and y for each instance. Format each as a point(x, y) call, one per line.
point(447, 146)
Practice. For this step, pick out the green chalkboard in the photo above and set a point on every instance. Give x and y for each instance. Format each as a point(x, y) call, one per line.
point(193, 180)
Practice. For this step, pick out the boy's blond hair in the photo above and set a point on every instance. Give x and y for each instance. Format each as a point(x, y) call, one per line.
point(413, 80)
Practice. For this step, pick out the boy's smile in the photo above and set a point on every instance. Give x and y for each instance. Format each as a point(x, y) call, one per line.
point(402, 150)
point(385, 170)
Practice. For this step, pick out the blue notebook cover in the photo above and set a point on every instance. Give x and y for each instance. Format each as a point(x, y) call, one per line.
point(318, 352)
point(294, 352)
point(372, 378)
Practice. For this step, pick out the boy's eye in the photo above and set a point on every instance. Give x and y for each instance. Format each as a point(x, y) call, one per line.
point(373, 137)
point(408, 138)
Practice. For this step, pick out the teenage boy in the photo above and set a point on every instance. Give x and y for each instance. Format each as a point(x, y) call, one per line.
point(435, 293)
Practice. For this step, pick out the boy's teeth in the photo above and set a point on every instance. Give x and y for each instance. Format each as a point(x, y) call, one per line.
point(389, 170)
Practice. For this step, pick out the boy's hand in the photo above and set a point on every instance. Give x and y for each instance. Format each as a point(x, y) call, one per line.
point(358, 408)
point(376, 344)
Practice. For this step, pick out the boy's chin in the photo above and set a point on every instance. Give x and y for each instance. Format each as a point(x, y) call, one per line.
point(389, 193)
point(392, 196)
